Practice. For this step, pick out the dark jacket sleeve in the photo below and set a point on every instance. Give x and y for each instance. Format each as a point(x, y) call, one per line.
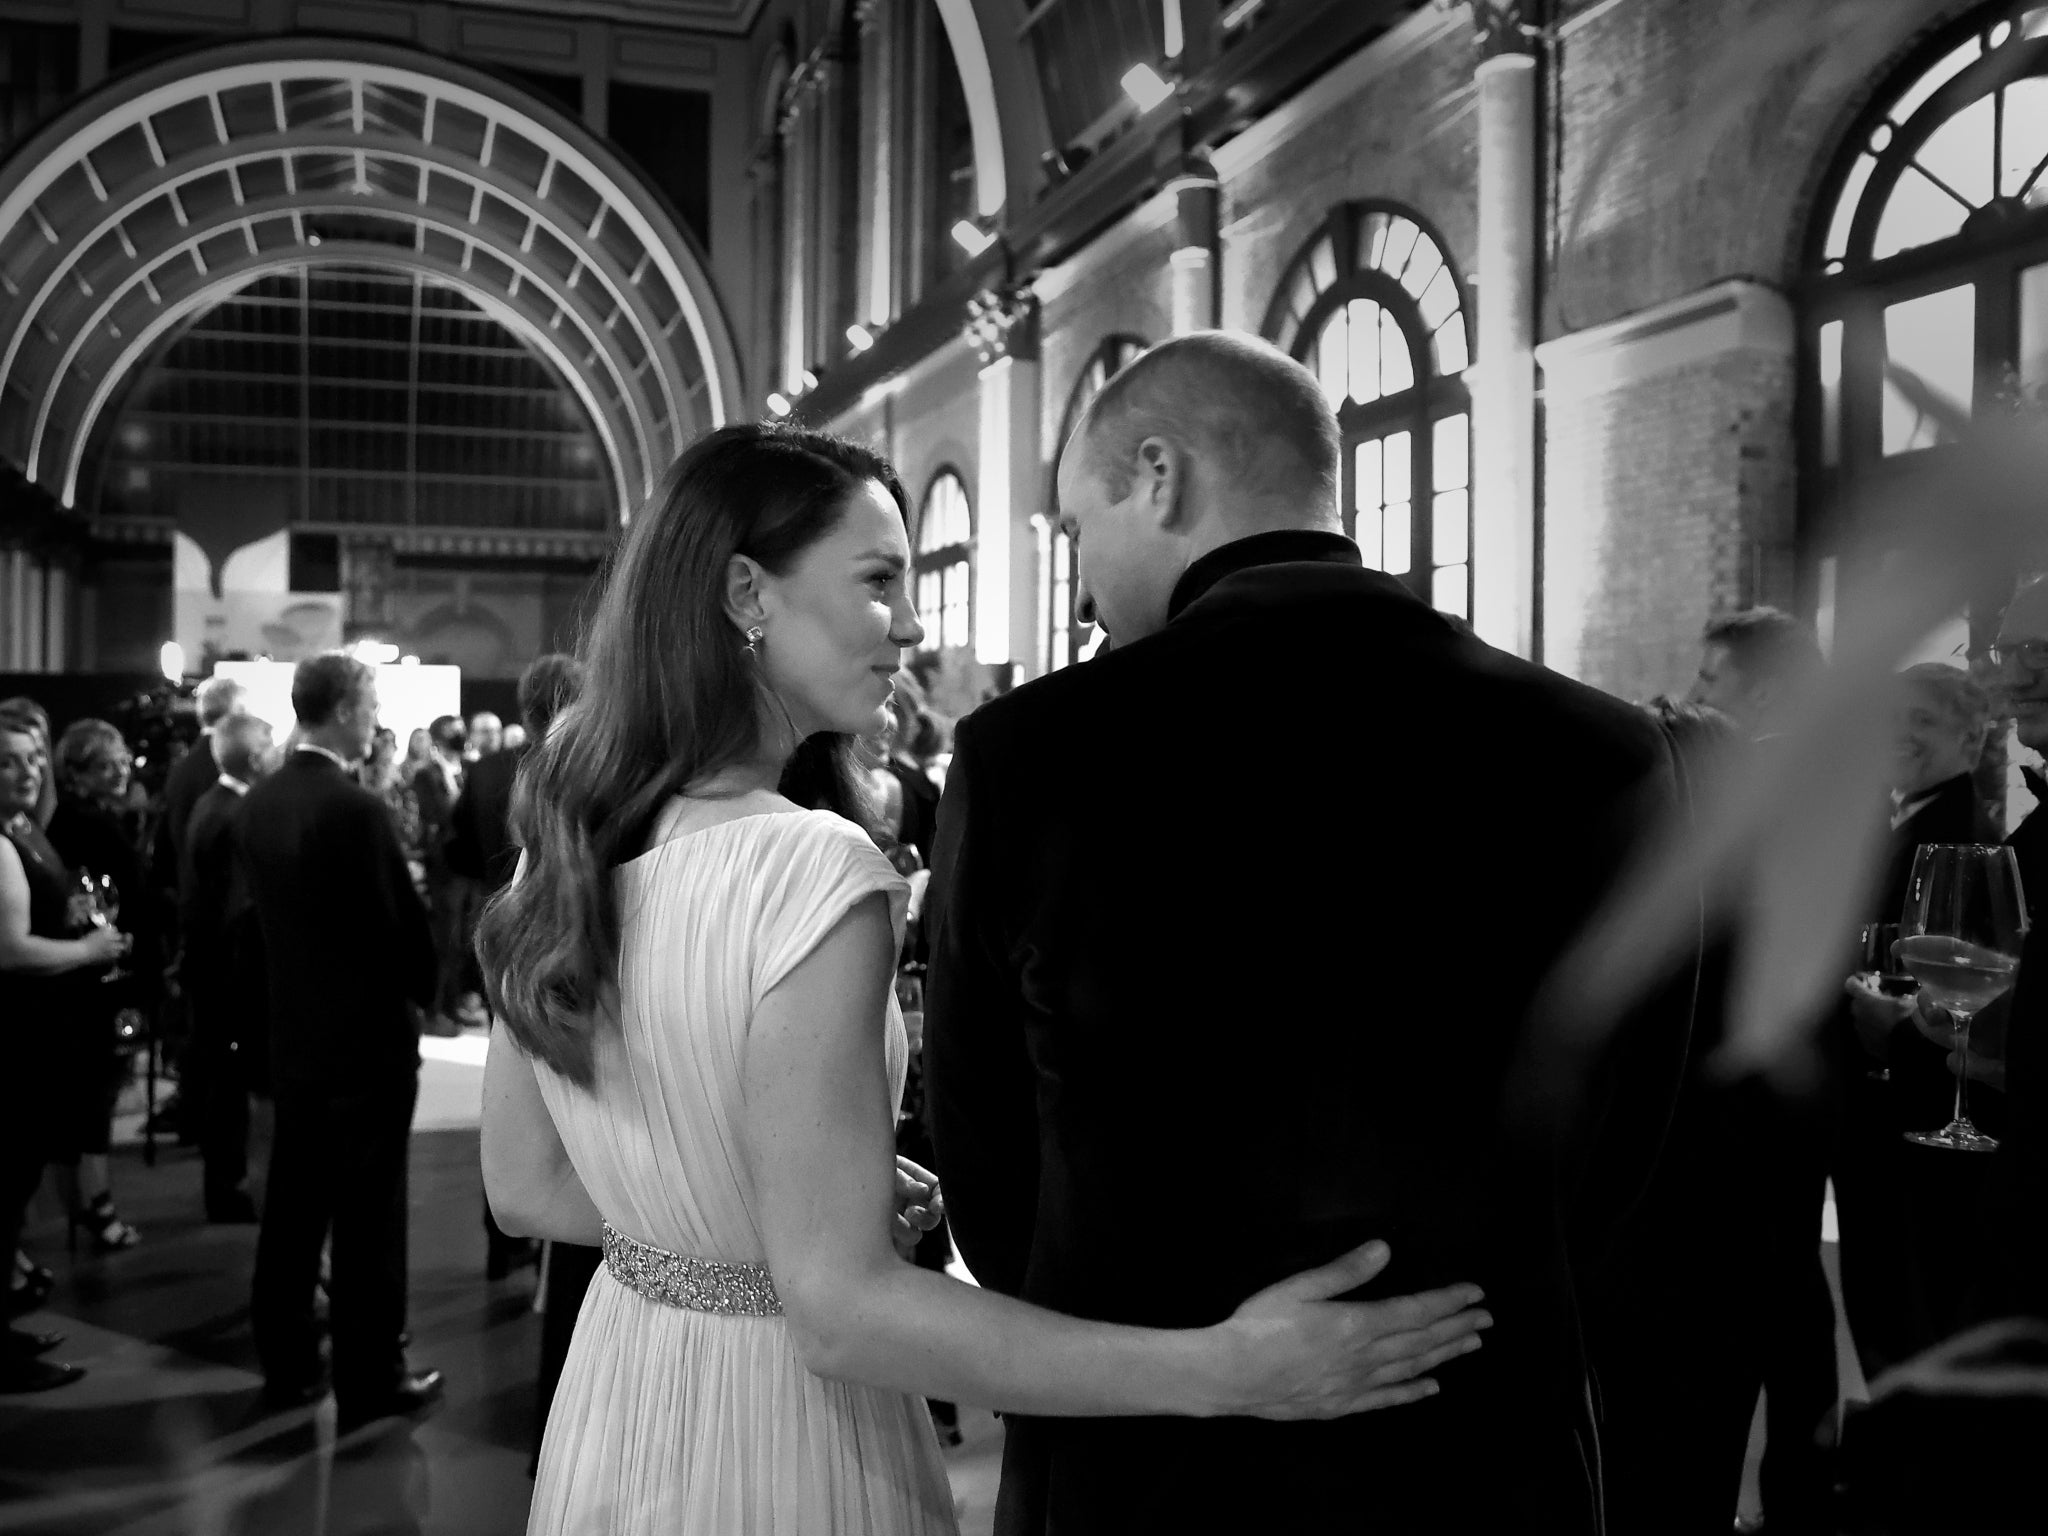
point(980, 1090)
point(389, 884)
point(465, 845)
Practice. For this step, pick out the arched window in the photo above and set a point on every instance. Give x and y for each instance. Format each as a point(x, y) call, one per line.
point(1373, 306)
point(945, 563)
point(1062, 638)
point(1930, 250)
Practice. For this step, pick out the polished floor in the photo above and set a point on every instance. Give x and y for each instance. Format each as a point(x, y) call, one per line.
point(166, 1437)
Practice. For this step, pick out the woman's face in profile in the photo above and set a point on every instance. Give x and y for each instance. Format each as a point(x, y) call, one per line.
point(835, 625)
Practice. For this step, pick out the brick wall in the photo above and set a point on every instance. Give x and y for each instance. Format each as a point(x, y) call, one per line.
point(1666, 501)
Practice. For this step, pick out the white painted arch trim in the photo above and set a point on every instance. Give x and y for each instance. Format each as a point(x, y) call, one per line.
point(1727, 317)
point(978, 82)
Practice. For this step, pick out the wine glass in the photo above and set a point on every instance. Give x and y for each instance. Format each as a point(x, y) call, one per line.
point(101, 905)
point(1960, 935)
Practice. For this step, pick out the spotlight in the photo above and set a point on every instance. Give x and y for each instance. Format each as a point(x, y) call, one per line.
point(408, 661)
point(172, 659)
point(376, 652)
point(810, 380)
point(973, 239)
point(861, 337)
point(779, 403)
point(1144, 86)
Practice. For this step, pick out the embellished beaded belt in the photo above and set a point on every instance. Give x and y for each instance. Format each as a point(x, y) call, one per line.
point(698, 1285)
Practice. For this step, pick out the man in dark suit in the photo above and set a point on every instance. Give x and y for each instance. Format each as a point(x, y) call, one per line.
point(1907, 1212)
point(191, 776)
point(345, 956)
point(211, 903)
point(1171, 1060)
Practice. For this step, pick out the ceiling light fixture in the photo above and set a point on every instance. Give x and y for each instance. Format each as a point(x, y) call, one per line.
point(1144, 85)
point(861, 337)
point(972, 238)
point(779, 403)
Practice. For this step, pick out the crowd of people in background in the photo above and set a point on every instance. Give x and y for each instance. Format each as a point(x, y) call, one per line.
point(267, 862)
point(284, 951)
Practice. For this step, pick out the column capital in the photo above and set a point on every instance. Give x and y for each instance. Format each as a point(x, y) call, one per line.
point(1003, 322)
point(1505, 27)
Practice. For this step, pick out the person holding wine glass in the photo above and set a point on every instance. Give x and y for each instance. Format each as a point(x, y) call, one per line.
point(42, 960)
point(1890, 1080)
point(93, 766)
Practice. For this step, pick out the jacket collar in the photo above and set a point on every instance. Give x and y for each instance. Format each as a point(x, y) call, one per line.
point(1286, 546)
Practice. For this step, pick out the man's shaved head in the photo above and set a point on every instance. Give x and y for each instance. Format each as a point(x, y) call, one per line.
point(1204, 440)
point(1254, 414)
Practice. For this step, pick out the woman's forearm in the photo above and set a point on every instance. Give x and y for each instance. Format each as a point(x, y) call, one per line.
point(915, 1331)
point(30, 954)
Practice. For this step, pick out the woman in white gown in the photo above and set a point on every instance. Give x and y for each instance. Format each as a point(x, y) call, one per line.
point(701, 1056)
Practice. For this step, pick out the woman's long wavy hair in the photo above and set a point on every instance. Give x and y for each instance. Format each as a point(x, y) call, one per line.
point(670, 697)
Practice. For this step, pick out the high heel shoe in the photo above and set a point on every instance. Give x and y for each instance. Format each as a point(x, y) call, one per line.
point(109, 1232)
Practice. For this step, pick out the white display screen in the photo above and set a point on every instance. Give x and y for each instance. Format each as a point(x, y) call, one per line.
point(408, 697)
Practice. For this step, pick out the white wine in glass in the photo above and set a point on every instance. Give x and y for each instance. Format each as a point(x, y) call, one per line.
point(1960, 936)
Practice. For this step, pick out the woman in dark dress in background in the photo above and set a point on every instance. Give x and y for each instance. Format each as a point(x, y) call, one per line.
point(43, 968)
point(93, 764)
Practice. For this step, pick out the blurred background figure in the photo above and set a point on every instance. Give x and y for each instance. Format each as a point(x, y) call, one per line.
point(224, 1007)
point(486, 736)
point(481, 852)
point(46, 967)
point(191, 776)
point(515, 736)
point(1908, 1214)
point(91, 837)
point(451, 897)
point(387, 778)
point(1750, 663)
point(31, 717)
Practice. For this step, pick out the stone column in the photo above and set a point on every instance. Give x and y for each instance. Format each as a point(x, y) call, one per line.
point(13, 608)
point(1003, 326)
point(57, 619)
point(1503, 378)
point(1194, 259)
point(875, 301)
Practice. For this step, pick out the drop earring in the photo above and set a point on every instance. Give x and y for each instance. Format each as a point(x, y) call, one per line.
point(754, 641)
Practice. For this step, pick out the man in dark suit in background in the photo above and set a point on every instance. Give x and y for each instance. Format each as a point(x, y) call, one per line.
point(345, 955)
point(212, 901)
point(1171, 1060)
point(191, 776)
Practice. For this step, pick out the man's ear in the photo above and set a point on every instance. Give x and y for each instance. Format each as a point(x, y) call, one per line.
point(1162, 479)
point(745, 584)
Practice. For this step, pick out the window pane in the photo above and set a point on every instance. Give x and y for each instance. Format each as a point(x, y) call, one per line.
point(1397, 367)
point(1935, 79)
point(1447, 586)
point(1439, 298)
point(1450, 527)
point(1333, 351)
point(1303, 298)
point(1845, 210)
point(1369, 536)
point(1397, 531)
point(1452, 357)
point(1423, 267)
point(2026, 137)
point(1451, 458)
point(1365, 493)
point(1959, 152)
point(1933, 336)
point(1919, 213)
point(1831, 393)
point(1401, 237)
point(2034, 327)
point(1399, 466)
point(1372, 239)
point(1041, 529)
point(1365, 342)
point(1322, 262)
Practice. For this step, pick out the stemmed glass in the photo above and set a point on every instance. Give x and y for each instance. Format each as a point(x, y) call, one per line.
point(1960, 935)
point(103, 909)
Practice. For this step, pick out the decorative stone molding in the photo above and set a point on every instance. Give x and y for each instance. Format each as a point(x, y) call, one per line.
point(1003, 322)
point(1504, 27)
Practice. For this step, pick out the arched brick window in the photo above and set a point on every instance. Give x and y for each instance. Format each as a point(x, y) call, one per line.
point(1372, 305)
point(945, 563)
point(1062, 637)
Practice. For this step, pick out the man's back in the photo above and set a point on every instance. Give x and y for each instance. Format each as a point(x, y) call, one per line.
point(480, 825)
point(1275, 945)
point(344, 937)
point(205, 869)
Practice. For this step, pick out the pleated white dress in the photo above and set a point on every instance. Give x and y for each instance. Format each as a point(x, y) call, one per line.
point(672, 1422)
